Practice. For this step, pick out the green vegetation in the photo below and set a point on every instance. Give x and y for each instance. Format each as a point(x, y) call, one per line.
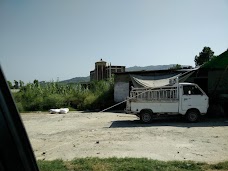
point(206, 55)
point(10, 85)
point(176, 67)
point(126, 164)
point(40, 97)
point(16, 85)
point(218, 62)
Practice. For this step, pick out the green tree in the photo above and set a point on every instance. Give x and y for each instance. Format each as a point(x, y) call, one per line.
point(16, 84)
point(175, 67)
point(36, 83)
point(10, 84)
point(206, 55)
point(21, 83)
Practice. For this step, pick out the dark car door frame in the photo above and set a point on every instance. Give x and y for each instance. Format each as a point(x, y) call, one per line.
point(15, 149)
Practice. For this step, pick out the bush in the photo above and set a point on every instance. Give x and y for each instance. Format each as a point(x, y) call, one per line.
point(36, 104)
point(19, 107)
point(54, 101)
point(34, 96)
point(90, 102)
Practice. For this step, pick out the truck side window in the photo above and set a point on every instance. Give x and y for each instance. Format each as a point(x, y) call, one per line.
point(186, 90)
point(191, 90)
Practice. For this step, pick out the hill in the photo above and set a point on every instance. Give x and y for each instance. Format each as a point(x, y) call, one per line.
point(76, 80)
point(151, 67)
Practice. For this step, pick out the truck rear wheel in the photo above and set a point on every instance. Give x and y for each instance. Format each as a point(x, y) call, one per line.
point(145, 116)
point(192, 115)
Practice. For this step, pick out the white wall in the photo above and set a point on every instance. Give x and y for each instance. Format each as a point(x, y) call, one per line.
point(121, 91)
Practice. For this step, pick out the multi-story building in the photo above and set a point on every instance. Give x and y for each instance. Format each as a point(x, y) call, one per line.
point(104, 71)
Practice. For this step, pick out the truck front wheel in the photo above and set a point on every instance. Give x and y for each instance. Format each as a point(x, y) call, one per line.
point(192, 115)
point(145, 116)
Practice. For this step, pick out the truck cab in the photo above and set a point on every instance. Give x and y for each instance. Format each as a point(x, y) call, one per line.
point(182, 98)
point(192, 97)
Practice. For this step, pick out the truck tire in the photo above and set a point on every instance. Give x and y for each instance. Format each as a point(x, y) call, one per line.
point(192, 115)
point(146, 116)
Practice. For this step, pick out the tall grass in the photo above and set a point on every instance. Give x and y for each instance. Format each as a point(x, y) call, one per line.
point(35, 96)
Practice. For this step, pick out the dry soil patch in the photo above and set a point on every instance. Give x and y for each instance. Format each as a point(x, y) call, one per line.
point(79, 134)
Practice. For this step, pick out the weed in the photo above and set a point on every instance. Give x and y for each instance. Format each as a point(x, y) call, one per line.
point(34, 96)
point(127, 164)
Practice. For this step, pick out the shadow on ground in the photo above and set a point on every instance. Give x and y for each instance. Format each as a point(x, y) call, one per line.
point(171, 121)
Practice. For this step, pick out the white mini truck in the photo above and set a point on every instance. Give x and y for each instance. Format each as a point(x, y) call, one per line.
point(186, 99)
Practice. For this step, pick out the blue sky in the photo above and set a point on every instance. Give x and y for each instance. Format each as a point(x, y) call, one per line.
point(53, 39)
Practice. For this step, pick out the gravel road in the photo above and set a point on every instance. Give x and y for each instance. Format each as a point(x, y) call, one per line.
point(79, 134)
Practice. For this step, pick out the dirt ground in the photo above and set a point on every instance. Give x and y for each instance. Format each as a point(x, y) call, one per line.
point(78, 134)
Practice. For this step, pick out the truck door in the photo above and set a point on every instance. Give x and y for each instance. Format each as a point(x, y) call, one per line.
point(193, 97)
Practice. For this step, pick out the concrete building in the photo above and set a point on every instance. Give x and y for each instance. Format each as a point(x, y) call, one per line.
point(104, 71)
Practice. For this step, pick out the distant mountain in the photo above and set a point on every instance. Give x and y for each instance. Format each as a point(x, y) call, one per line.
point(152, 67)
point(76, 80)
